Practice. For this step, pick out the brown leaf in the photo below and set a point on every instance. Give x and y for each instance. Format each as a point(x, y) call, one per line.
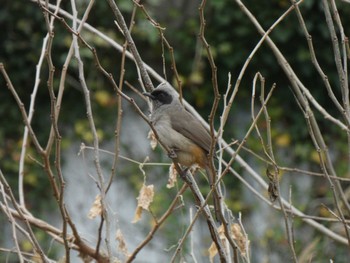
point(237, 234)
point(212, 249)
point(144, 200)
point(272, 189)
point(138, 214)
point(172, 176)
point(121, 243)
point(153, 139)
point(212, 252)
point(241, 239)
point(96, 208)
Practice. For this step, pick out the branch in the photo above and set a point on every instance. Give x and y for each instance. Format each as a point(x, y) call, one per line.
point(121, 22)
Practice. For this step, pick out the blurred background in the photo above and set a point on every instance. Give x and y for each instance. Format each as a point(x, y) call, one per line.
point(231, 37)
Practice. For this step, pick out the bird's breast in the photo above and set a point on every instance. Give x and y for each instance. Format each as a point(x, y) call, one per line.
point(188, 153)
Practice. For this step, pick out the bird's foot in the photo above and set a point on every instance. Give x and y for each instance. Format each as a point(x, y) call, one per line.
point(172, 154)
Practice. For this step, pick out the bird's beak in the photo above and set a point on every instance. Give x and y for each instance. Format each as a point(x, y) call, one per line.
point(147, 94)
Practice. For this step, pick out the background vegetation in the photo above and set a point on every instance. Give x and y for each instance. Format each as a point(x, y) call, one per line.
point(232, 37)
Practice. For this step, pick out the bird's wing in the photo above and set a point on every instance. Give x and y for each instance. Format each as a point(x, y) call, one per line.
point(190, 127)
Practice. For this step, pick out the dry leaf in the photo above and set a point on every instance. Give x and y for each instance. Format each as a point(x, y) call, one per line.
point(146, 196)
point(221, 230)
point(121, 243)
point(137, 215)
point(153, 139)
point(237, 234)
point(212, 252)
point(172, 176)
point(241, 239)
point(96, 208)
point(144, 200)
point(272, 189)
point(212, 249)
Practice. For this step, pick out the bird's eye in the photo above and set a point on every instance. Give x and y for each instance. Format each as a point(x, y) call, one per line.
point(162, 96)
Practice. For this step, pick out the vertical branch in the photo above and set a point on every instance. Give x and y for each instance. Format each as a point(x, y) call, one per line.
point(345, 53)
point(245, 235)
point(193, 256)
point(315, 61)
point(337, 54)
point(217, 193)
point(119, 103)
point(65, 66)
point(167, 44)
point(55, 136)
point(25, 134)
point(32, 103)
point(93, 130)
point(48, 50)
point(223, 119)
point(275, 175)
point(121, 22)
point(213, 77)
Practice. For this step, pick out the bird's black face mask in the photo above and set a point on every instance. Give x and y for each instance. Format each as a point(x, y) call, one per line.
point(159, 98)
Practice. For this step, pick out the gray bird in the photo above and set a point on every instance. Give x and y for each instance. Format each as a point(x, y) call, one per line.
point(180, 131)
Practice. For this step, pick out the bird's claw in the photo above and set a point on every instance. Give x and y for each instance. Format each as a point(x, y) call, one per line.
point(172, 154)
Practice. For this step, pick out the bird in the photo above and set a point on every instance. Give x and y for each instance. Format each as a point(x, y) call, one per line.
point(181, 132)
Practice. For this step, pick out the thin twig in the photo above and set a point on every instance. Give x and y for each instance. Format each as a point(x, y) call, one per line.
point(299, 88)
point(202, 206)
point(271, 156)
point(139, 63)
point(168, 46)
point(36, 246)
point(12, 221)
point(118, 126)
point(157, 225)
point(30, 116)
point(217, 193)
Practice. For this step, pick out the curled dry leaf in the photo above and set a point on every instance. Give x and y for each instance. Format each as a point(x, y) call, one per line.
point(240, 237)
point(237, 234)
point(121, 243)
point(96, 208)
point(153, 139)
point(212, 249)
point(172, 176)
point(272, 190)
point(144, 200)
point(137, 216)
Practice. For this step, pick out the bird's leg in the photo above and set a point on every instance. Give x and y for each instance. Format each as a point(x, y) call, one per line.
point(172, 154)
point(184, 173)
